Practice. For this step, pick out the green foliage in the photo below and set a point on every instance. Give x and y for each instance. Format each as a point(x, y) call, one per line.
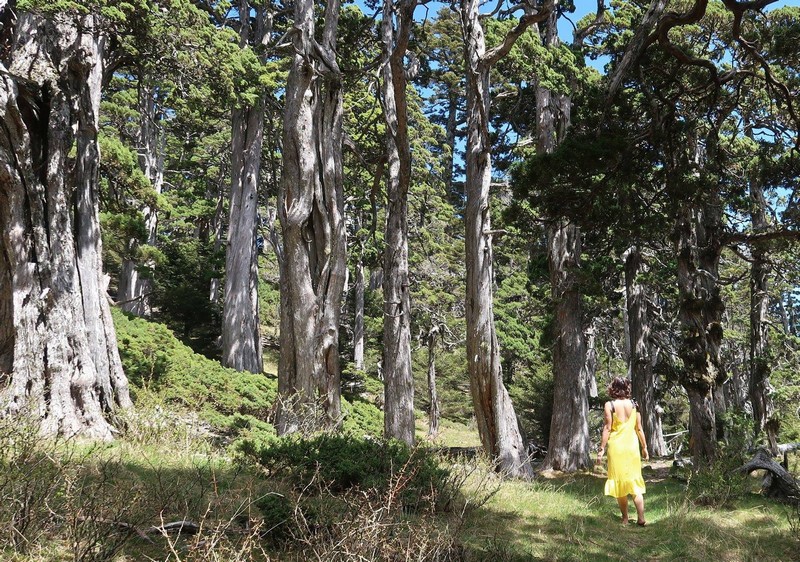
point(155, 360)
point(341, 462)
point(182, 287)
point(361, 417)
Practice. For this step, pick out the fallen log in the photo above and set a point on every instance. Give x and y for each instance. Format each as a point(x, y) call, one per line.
point(778, 483)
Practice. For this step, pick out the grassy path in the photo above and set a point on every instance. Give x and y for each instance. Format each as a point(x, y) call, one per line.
point(568, 518)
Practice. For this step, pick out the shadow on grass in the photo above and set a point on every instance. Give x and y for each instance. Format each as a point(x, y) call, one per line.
point(569, 518)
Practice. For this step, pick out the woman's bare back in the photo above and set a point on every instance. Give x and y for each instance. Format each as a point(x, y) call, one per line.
point(622, 408)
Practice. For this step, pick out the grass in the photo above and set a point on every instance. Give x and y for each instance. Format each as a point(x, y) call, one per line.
point(568, 518)
point(561, 518)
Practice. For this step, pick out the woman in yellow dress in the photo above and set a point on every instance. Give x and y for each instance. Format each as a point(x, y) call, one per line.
point(623, 424)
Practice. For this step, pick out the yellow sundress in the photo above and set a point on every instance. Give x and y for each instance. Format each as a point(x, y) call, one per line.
point(624, 461)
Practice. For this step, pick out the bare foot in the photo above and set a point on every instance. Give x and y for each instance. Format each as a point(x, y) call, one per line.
point(641, 523)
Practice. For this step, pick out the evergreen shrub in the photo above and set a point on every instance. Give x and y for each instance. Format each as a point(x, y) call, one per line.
point(342, 462)
point(156, 361)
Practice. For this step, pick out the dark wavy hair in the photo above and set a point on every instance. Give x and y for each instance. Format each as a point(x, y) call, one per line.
point(619, 388)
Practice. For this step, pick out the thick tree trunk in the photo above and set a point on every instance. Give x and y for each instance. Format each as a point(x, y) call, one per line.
point(644, 382)
point(398, 382)
point(59, 352)
point(433, 410)
point(311, 209)
point(760, 389)
point(494, 413)
point(700, 314)
point(241, 333)
point(568, 448)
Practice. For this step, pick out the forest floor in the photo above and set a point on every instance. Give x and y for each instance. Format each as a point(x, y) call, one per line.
point(560, 517)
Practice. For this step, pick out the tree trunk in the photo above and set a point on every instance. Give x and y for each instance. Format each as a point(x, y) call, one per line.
point(311, 209)
point(700, 312)
point(398, 382)
point(241, 333)
point(217, 230)
point(494, 413)
point(568, 448)
point(358, 323)
point(433, 410)
point(644, 382)
point(590, 365)
point(59, 352)
point(760, 389)
point(135, 290)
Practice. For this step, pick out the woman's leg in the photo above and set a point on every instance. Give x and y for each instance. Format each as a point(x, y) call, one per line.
point(623, 507)
point(638, 501)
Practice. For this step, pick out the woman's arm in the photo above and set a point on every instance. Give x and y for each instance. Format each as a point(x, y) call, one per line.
point(640, 435)
point(606, 430)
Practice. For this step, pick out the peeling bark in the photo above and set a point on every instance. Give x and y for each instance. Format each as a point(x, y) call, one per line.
point(398, 382)
point(311, 212)
point(494, 413)
point(700, 314)
point(59, 351)
point(241, 331)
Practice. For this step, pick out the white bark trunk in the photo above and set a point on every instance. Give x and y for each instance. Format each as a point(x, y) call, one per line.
point(241, 332)
point(59, 355)
point(494, 412)
point(433, 410)
point(311, 208)
point(398, 412)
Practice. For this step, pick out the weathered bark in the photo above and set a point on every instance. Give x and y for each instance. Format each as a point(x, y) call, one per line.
point(644, 382)
point(398, 382)
point(135, 290)
point(494, 412)
point(59, 352)
point(433, 409)
point(760, 389)
point(700, 312)
point(568, 447)
point(241, 333)
point(779, 483)
point(311, 208)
